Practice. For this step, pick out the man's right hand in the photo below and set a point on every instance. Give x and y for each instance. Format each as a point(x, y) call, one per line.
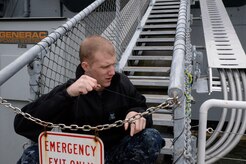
point(83, 85)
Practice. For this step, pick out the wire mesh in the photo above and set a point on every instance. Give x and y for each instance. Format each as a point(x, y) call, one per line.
point(116, 20)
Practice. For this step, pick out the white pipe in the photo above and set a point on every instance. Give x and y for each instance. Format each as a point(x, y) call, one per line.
point(230, 126)
point(27, 8)
point(224, 112)
point(203, 121)
point(233, 139)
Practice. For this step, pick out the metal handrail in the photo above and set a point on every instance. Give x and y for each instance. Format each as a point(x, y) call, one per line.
point(176, 84)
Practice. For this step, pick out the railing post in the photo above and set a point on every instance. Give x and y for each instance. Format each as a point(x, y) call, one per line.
point(34, 70)
point(176, 84)
point(179, 137)
point(116, 33)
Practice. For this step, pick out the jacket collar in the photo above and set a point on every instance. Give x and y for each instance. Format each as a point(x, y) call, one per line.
point(79, 71)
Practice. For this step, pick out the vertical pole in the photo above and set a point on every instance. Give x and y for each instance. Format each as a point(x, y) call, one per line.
point(34, 70)
point(117, 32)
point(179, 137)
point(117, 29)
point(202, 136)
point(176, 84)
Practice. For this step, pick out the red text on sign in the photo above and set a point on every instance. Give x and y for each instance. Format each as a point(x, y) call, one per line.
point(70, 148)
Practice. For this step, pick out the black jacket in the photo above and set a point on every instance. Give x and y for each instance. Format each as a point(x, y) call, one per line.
point(92, 109)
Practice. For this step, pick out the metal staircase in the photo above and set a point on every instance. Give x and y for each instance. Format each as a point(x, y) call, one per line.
point(148, 66)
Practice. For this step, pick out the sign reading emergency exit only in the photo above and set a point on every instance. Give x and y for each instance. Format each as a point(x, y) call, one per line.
point(70, 148)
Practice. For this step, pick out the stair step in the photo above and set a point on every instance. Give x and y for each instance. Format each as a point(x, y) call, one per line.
point(162, 119)
point(153, 48)
point(161, 20)
point(150, 82)
point(168, 148)
point(149, 77)
point(164, 11)
point(164, 111)
point(160, 26)
point(147, 69)
point(157, 99)
point(158, 33)
point(163, 16)
point(155, 40)
point(167, 3)
point(150, 58)
point(166, 7)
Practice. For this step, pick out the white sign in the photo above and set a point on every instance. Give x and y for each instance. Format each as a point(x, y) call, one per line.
point(70, 148)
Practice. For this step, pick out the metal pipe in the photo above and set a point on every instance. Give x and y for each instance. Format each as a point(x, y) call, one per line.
point(27, 9)
point(11, 69)
point(203, 121)
point(231, 121)
point(176, 84)
point(117, 29)
point(234, 137)
point(179, 137)
point(224, 112)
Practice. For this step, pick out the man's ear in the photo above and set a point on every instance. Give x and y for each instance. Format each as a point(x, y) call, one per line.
point(85, 66)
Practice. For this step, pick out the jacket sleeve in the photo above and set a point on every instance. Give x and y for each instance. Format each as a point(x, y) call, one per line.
point(137, 100)
point(53, 107)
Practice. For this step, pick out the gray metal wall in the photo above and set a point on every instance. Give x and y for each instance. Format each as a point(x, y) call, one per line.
point(37, 8)
point(10, 143)
point(17, 88)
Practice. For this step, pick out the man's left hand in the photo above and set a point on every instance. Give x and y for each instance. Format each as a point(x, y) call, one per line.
point(135, 126)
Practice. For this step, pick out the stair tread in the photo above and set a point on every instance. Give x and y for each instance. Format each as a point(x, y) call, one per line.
point(157, 32)
point(153, 48)
point(168, 148)
point(150, 58)
point(164, 111)
point(163, 15)
point(160, 26)
point(155, 40)
point(151, 98)
point(149, 77)
point(162, 119)
point(150, 82)
point(166, 7)
point(157, 1)
point(161, 20)
point(164, 11)
point(146, 69)
point(167, 3)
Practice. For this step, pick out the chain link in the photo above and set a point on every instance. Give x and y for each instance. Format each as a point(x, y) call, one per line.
point(168, 104)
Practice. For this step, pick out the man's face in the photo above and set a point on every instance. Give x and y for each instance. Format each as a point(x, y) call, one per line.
point(102, 68)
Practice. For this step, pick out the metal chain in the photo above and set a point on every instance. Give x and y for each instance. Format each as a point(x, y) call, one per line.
point(168, 104)
point(188, 154)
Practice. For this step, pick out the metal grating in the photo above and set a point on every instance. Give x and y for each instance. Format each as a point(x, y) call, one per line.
point(223, 47)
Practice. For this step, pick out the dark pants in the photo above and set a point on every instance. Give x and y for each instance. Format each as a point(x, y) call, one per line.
point(143, 148)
